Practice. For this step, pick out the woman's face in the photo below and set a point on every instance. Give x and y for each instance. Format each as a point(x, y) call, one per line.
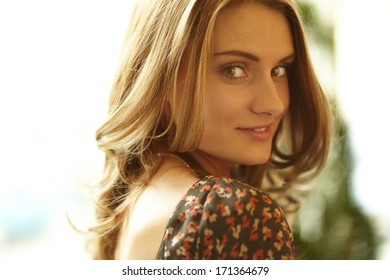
point(247, 92)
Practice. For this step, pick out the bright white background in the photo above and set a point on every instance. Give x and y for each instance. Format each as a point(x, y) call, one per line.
point(362, 78)
point(57, 61)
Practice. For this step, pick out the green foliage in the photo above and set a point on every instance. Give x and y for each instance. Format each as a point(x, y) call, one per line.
point(330, 225)
point(341, 230)
point(318, 31)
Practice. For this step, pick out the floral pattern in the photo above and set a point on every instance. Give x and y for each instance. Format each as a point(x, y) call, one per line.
point(222, 218)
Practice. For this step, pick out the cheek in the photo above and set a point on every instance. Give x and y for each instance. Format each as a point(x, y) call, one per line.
point(284, 95)
point(220, 106)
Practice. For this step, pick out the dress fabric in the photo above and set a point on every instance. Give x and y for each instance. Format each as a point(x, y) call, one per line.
point(221, 218)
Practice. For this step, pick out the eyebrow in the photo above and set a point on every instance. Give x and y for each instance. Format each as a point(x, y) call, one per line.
point(250, 56)
point(239, 53)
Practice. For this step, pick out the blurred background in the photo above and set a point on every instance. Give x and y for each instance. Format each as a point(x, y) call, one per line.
point(57, 62)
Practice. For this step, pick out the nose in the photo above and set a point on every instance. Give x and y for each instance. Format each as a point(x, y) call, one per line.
point(269, 97)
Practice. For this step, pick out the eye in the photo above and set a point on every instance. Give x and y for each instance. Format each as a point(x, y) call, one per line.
point(235, 71)
point(280, 71)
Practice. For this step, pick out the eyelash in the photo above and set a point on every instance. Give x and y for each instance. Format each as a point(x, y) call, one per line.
point(234, 65)
point(286, 67)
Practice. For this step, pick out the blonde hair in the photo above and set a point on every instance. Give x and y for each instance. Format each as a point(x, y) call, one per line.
point(159, 35)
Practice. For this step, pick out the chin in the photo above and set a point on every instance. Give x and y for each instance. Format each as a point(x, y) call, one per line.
point(262, 159)
point(253, 163)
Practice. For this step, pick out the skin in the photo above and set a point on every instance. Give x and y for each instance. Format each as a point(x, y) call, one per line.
point(242, 91)
point(247, 92)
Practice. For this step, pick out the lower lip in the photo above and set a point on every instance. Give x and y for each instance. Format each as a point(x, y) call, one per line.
point(257, 135)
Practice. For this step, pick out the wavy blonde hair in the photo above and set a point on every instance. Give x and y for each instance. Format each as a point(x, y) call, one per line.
point(159, 35)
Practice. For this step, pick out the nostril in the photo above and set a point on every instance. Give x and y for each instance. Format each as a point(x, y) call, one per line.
point(271, 107)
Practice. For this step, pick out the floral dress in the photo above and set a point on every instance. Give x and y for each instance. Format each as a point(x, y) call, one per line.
point(220, 218)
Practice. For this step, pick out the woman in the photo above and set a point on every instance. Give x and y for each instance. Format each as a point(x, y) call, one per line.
point(215, 102)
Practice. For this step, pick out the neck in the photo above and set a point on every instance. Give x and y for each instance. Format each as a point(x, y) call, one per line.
point(213, 166)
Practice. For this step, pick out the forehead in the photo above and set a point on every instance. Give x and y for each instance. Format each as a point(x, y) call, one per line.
point(254, 28)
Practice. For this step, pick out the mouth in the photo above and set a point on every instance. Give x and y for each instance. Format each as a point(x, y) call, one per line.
point(261, 133)
point(262, 129)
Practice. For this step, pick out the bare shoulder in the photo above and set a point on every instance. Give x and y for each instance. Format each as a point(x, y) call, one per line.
point(145, 223)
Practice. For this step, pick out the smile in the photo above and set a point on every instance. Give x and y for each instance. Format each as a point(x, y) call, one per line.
point(263, 129)
point(262, 133)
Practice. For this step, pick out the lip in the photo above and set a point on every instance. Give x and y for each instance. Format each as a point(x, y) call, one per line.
point(260, 133)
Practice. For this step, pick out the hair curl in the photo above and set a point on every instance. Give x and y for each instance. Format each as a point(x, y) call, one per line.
point(159, 35)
